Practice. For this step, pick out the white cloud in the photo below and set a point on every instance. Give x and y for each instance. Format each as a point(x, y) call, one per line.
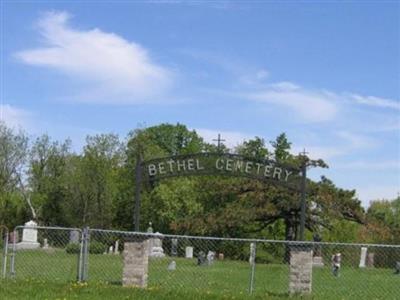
point(116, 70)
point(375, 101)
point(312, 106)
point(232, 138)
point(14, 117)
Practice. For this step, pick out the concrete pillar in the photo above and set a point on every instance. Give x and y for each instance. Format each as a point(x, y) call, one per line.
point(136, 262)
point(300, 275)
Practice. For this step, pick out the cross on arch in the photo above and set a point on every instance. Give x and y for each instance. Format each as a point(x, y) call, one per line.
point(219, 140)
point(304, 152)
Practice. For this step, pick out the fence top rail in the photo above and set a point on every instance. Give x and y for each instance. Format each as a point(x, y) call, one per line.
point(242, 239)
point(47, 227)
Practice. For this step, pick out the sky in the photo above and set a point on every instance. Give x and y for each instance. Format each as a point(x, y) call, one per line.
point(325, 73)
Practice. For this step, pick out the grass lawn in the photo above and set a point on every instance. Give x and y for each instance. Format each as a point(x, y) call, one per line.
point(51, 275)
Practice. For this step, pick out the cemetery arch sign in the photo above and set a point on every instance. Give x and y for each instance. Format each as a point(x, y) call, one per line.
point(225, 164)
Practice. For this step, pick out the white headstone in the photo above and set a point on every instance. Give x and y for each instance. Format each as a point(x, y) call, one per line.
point(29, 234)
point(172, 266)
point(189, 252)
point(29, 237)
point(156, 246)
point(210, 257)
point(116, 251)
point(363, 257)
point(45, 244)
point(110, 250)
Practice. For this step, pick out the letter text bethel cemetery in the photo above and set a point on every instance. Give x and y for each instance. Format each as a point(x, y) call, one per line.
point(222, 165)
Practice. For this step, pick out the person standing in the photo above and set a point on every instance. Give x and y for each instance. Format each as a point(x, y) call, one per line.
point(336, 260)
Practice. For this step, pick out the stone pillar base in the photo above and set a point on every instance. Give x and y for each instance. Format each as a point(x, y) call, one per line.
point(136, 262)
point(301, 263)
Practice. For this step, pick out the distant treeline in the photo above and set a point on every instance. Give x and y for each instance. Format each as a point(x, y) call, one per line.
point(45, 180)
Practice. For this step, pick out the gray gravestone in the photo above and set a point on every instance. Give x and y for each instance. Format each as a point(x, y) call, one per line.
point(174, 247)
point(201, 258)
point(74, 236)
point(397, 268)
point(172, 266)
point(370, 260)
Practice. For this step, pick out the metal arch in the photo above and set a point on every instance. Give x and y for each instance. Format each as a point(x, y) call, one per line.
point(297, 184)
point(230, 155)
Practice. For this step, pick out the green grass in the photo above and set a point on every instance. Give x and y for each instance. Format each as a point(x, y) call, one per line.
point(51, 275)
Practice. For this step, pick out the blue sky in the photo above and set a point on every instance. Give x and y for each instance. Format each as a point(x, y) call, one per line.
point(326, 73)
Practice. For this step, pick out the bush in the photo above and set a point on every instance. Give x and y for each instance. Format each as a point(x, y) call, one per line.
point(73, 248)
point(97, 248)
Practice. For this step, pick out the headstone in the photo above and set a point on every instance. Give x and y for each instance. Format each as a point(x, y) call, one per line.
point(201, 258)
point(45, 244)
point(189, 252)
point(172, 266)
point(317, 258)
point(110, 250)
point(363, 257)
point(116, 247)
point(174, 247)
point(317, 261)
point(210, 257)
point(252, 257)
point(74, 236)
point(29, 237)
point(221, 256)
point(397, 268)
point(149, 229)
point(156, 246)
point(370, 260)
point(13, 237)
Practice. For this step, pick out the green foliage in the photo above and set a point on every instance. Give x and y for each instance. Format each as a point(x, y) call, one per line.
point(73, 248)
point(96, 188)
point(97, 248)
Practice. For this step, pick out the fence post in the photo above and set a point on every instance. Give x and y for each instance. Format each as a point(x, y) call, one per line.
point(5, 251)
point(85, 254)
point(80, 258)
point(252, 261)
point(14, 249)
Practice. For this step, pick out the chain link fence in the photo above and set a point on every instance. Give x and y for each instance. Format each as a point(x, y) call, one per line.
point(222, 266)
point(47, 253)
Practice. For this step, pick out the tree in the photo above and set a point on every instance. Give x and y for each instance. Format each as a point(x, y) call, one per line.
point(158, 141)
point(47, 170)
point(93, 183)
point(238, 207)
point(383, 222)
point(13, 153)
